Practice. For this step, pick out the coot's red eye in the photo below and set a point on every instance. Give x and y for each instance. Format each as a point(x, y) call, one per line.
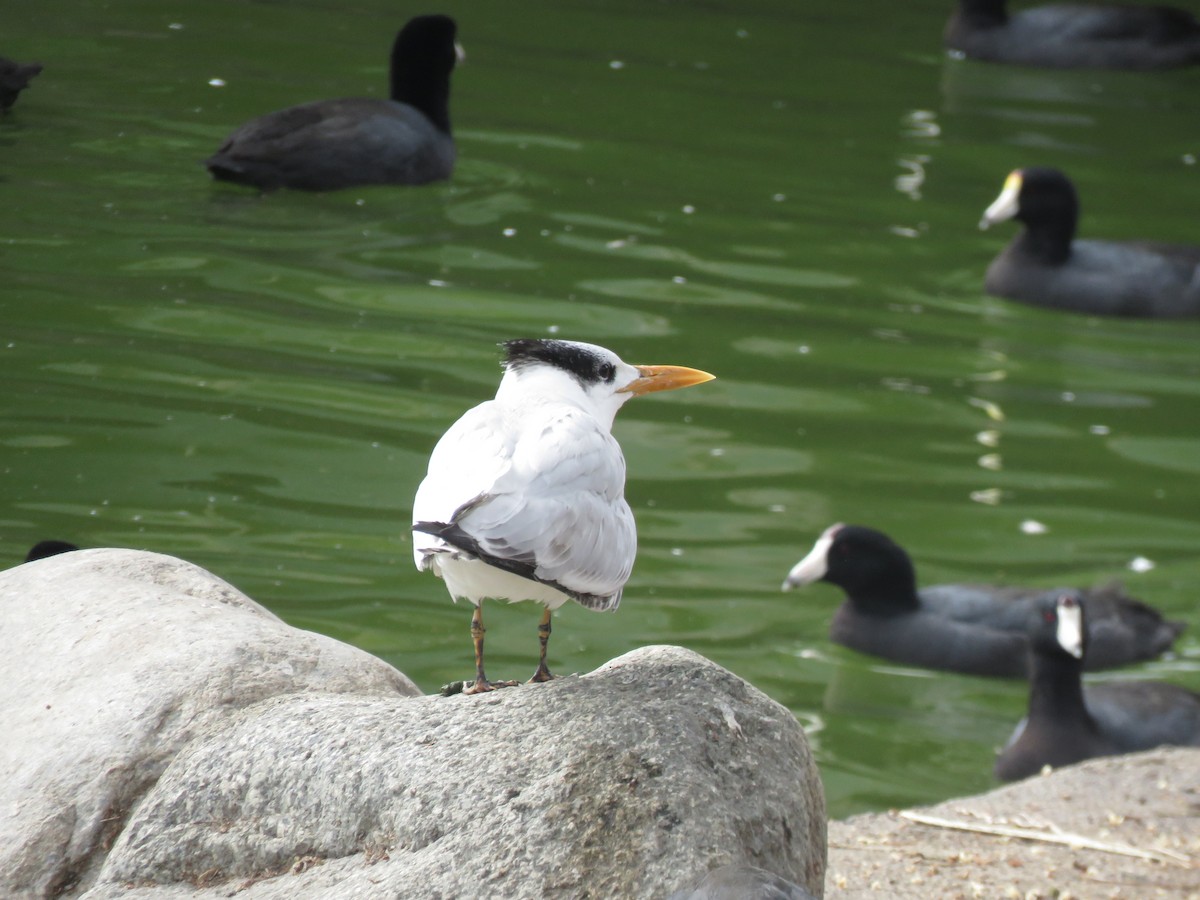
point(1049, 617)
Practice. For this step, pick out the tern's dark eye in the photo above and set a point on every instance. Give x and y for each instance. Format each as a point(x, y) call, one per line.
point(608, 371)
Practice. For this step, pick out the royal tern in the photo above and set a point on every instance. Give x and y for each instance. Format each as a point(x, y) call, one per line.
point(524, 498)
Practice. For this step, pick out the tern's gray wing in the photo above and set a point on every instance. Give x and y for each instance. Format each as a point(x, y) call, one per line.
point(554, 510)
point(471, 456)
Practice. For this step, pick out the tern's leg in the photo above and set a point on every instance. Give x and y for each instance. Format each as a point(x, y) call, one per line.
point(542, 673)
point(481, 683)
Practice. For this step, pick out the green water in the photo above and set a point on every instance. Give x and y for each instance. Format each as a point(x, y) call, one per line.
point(783, 194)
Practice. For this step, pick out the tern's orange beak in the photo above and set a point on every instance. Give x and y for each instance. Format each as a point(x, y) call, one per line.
point(665, 378)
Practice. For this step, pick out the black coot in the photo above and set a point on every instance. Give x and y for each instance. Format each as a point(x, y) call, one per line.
point(974, 629)
point(333, 144)
point(14, 78)
point(42, 549)
point(1045, 265)
point(1075, 35)
point(1068, 722)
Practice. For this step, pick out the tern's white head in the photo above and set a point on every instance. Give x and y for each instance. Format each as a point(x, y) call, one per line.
point(584, 375)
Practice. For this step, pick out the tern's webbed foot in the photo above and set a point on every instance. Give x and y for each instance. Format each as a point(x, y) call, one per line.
point(542, 674)
point(478, 686)
point(482, 687)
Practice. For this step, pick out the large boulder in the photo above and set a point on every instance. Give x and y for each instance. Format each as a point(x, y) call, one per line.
point(168, 737)
point(113, 661)
point(632, 781)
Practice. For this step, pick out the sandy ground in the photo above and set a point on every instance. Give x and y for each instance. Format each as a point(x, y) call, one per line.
point(1147, 803)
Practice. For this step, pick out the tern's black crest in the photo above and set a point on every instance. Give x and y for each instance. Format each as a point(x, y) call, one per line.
point(579, 360)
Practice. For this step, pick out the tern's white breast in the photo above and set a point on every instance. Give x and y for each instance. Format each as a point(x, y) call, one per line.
point(470, 579)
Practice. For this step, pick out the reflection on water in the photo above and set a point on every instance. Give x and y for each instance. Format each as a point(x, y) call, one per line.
point(255, 382)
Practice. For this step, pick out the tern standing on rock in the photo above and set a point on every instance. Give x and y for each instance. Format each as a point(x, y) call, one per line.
point(525, 495)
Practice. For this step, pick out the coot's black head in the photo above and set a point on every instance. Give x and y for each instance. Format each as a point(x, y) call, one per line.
point(423, 57)
point(1057, 629)
point(869, 566)
point(1044, 200)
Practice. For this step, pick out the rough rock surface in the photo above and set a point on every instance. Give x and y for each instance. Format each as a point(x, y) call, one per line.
point(114, 660)
point(1147, 801)
point(628, 782)
point(743, 882)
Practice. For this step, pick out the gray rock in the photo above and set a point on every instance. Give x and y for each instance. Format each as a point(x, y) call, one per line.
point(113, 661)
point(743, 882)
point(626, 782)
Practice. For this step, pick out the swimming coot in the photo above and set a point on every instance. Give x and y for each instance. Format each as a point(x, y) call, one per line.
point(1075, 35)
point(43, 549)
point(1046, 266)
point(331, 144)
point(974, 629)
point(1068, 722)
point(14, 78)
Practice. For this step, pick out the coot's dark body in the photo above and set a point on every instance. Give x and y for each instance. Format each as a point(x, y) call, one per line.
point(1075, 35)
point(1069, 722)
point(14, 78)
point(333, 144)
point(1046, 265)
point(973, 629)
